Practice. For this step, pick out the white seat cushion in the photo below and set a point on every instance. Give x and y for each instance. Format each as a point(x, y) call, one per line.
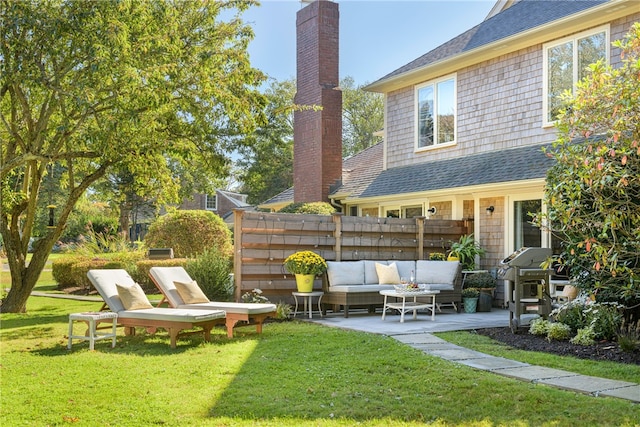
point(172, 314)
point(360, 288)
point(233, 307)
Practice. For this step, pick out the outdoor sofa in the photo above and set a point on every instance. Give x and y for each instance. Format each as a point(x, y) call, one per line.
point(356, 283)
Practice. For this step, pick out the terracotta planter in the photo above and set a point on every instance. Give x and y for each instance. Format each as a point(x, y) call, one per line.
point(305, 282)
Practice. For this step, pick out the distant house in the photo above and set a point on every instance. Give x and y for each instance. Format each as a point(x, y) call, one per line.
point(221, 203)
point(466, 122)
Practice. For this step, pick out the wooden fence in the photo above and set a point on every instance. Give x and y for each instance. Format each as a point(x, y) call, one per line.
point(262, 241)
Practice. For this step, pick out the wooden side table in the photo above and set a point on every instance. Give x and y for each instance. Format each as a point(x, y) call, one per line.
point(92, 319)
point(307, 298)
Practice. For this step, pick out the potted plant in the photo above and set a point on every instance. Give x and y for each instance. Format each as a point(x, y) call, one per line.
point(437, 256)
point(305, 265)
point(465, 251)
point(486, 284)
point(470, 299)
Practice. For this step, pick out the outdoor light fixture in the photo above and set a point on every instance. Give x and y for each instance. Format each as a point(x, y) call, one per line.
point(432, 210)
point(51, 216)
point(490, 210)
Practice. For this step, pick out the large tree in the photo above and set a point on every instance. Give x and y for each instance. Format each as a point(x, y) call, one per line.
point(593, 191)
point(362, 117)
point(93, 86)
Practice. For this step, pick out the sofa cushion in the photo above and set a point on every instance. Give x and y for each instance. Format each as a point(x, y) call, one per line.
point(436, 272)
point(406, 269)
point(438, 287)
point(370, 272)
point(387, 274)
point(360, 288)
point(345, 273)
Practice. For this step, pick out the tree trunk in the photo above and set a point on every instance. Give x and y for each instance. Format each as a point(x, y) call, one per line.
point(125, 212)
point(23, 279)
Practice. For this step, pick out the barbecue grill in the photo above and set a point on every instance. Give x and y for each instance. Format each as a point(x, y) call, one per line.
point(527, 289)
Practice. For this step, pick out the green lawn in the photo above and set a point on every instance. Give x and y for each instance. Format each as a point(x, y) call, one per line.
point(294, 374)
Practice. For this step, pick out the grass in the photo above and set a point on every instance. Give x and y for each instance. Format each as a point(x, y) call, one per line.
point(294, 374)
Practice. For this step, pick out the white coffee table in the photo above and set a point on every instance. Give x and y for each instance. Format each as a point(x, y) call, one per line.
point(410, 305)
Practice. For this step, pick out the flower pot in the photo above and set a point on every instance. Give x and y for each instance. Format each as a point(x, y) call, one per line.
point(305, 282)
point(485, 300)
point(470, 304)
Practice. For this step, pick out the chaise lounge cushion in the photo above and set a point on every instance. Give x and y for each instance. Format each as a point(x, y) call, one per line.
point(133, 297)
point(190, 292)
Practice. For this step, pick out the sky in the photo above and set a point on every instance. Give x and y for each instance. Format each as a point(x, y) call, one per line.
point(376, 36)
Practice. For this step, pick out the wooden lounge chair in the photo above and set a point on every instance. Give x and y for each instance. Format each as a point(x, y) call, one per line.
point(174, 321)
point(164, 278)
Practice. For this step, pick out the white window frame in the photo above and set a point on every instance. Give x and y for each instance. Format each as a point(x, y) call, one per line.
point(434, 85)
point(207, 198)
point(545, 66)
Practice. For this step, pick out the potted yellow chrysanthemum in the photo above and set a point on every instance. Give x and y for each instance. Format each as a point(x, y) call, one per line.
point(305, 265)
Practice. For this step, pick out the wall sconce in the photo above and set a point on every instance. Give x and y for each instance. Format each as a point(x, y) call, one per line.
point(432, 210)
point(490, 210)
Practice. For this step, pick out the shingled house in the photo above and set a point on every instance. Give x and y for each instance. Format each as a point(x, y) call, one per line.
point(466, 122)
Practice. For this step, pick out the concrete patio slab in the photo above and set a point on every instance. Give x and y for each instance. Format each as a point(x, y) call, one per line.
point(490, 363)
point(586, 384)
point(533, 373)
point(630, 393)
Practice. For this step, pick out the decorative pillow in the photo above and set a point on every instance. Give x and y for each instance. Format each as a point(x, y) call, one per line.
point(133, 297)
point(387, 274)
point(190, 292)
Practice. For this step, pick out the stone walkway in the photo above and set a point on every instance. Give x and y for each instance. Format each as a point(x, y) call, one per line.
point(418, 334)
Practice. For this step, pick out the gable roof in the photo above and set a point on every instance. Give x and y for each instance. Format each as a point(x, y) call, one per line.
point(497, 34)
point(514, 164)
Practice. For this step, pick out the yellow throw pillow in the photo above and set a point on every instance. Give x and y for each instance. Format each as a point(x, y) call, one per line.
point(387, 274)
point(190, 292)
point(133, 297)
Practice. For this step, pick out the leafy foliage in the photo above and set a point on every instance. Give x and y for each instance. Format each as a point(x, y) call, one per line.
point(211, 270)
point(466, 249)
point(92, 88)
point(190, 233)
point(593, 191)
point(315, 208)
point(362, 117)
point(558, 331)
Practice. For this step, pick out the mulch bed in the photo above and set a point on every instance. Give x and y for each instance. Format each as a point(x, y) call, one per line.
point(523, 340)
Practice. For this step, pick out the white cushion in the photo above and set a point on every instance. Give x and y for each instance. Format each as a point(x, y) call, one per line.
point(438, 287)
point(360, 288)
point(443, 272)
point(173, 314)
point(345, 273)
point(233, 307)
point(370, 272)
point(190, 292)
point(406, 268)
point(133, 297)
point(387, 274)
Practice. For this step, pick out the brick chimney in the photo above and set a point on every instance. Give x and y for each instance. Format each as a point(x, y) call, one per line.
point(317, 152)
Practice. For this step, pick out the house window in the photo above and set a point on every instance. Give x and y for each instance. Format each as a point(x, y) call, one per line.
point(412, 211)
point(566, 62)
point(436, 112)
point(526, 233)
point(211, 203)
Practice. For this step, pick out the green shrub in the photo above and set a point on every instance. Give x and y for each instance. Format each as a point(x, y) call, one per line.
point(572, 314)
point(558, 331)
point(629, 337)
point(585, 336)
point(211, 269)
point(190, 233)
point(283, 310)
point(605, 319)
point(141, 272)
point(61, 270)
point(539, 326)
point(317, 208)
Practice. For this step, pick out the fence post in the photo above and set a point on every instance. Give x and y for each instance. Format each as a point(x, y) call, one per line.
point(420, 236)
point(337, 220)
point(237, 252)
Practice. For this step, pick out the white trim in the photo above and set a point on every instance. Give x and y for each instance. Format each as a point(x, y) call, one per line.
point(545, 63)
